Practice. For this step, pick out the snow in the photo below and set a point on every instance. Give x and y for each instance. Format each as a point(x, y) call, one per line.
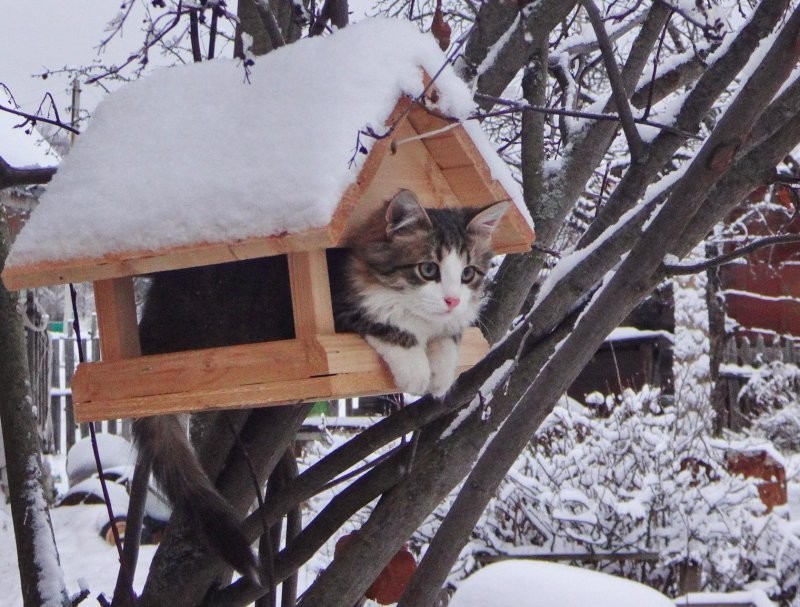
point(520, 583)
point(195, 154)
point(482, 398)
point(628, 333)
point(46, 558)
point(114, 451)
point(757, 598)
point(84, 554)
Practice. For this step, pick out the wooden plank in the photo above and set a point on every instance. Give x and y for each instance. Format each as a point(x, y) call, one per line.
point(354, 194)
point(234, 397)
point(251, 375)
point(447, 151)
point(311, 294)
point(116, 318)
point(201, 370)
point(468, 174)
point(473, 347)
point(138, 262)
point(349, 353)
point(409, 167)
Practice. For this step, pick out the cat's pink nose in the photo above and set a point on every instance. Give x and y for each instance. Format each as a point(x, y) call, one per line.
point(452, 301)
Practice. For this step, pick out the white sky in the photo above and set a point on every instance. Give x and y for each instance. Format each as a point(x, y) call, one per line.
point(37, 35)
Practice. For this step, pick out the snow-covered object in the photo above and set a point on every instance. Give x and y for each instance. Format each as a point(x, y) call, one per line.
point(93, 487)
point(197, 154)
point(637, 478)
point(756, 598)
point(515, 583)
point(114, 450)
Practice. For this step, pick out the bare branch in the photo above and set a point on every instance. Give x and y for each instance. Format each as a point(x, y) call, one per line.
point(695, 268)
point(34, 118)
point(696, 105)
point(618, 91)
point(517, 106)
point(194, 36)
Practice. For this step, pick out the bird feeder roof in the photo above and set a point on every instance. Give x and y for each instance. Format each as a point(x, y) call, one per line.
point(210, 162)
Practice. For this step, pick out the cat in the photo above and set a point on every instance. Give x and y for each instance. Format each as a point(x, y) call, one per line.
point(412, 290)
point(410, 283)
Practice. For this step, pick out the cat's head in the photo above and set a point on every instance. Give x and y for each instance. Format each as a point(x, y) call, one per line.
point(430, 263)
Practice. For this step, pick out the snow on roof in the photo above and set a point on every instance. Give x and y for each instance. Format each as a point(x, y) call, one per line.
point(194, 154)
point(523, 583)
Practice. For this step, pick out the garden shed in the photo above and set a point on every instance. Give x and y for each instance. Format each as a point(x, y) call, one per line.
point(211, 163)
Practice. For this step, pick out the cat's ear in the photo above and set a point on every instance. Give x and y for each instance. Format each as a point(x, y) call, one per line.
point(405, 214)
point(486, 221)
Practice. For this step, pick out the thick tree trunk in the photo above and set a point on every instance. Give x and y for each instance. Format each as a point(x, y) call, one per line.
point(39, 568)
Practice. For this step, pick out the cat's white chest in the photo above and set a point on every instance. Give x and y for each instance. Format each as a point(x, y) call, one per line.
point(418, 315)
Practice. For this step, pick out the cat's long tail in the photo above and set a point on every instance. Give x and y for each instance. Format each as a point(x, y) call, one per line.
point(161, 440)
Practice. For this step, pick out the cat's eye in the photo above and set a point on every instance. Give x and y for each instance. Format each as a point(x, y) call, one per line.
point(429, 270)
point(468, 274)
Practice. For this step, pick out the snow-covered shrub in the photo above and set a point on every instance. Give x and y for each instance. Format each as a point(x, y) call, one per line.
point(638, 481)
point(773, 393)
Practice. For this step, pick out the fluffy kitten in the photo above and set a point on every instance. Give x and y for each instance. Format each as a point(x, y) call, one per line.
point(410, 284)
point(413, 290)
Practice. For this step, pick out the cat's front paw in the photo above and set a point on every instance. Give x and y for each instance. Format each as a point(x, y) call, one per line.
point(409, 366)
point(412, 378)
point(442, 357)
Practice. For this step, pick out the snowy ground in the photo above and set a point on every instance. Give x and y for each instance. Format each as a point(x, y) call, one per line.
point(84, 554)
point(89, 561)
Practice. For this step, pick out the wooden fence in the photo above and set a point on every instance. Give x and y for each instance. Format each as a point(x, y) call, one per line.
point(52, 360)
point(741, 357)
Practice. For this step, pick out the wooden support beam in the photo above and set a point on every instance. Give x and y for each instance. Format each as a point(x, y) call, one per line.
point(311, 294)
point(116, 318)
point(273, 373)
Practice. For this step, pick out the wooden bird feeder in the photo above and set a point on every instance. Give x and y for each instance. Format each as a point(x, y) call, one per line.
point(443, 169)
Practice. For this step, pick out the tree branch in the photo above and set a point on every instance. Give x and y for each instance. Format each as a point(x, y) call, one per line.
point(618, 92)
point(270, 23)
point(694, 108)
point(695, 268)
point(517, 106)
point(33, 119)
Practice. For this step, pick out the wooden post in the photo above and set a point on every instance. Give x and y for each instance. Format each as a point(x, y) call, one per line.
point(116, 318)
point(56, 405)
point(69, 370)
point(311, 294)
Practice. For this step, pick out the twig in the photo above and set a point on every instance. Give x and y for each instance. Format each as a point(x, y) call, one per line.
point(194, 36)
point(212, 33)
point(260, 498)
point(294, 525)
point(709, 30)
point(767, 241)
point(76, 324)
point(651, 87)
point(517, 106)
point(142, 54)
point(118, 21)
point(133, 534)
point(34, 118)
point(358, 471)
point(398, 142)
point(618, 92)
point(78, 598)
